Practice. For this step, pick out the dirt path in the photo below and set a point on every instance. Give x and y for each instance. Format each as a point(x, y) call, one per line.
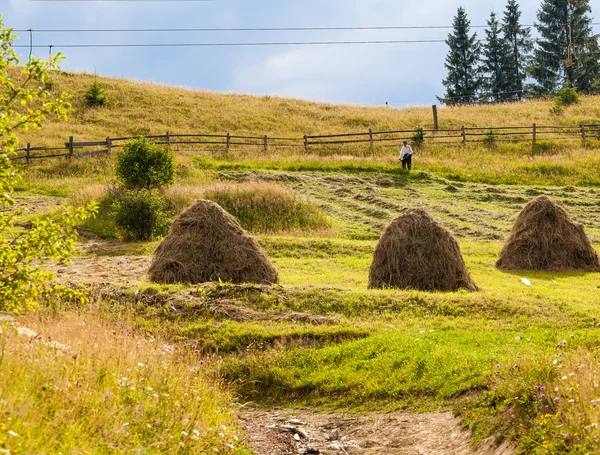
point(287, 432)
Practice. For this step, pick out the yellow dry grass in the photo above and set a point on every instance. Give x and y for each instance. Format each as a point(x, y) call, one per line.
point(146, 108)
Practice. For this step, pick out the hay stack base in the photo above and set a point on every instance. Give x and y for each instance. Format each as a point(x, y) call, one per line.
point(415, 252)
point(545, 238)
point(205, 244)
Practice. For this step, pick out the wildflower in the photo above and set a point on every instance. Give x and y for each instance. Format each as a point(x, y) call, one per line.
point(536, 388)
point(197, 351)
point(202, 362)
point(13, 434)
point(543, 395)
point(535, 397)
point(194, 346)
point(497, 365)
point(542, 388)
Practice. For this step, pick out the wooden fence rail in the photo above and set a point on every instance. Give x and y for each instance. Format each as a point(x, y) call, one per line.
point(392, 138)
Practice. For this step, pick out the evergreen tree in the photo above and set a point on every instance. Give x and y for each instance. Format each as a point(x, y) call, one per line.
point(463, 81)
point(495, 61)
point(519, 42)
point(548, 66)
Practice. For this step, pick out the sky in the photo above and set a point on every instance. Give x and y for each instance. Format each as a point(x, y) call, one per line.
point(369, 74)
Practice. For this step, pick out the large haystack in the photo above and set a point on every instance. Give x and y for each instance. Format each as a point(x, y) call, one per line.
point(545, 238)
point(415, 252)
point(205, 243)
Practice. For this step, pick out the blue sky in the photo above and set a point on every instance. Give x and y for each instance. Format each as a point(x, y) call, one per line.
point(401, 74)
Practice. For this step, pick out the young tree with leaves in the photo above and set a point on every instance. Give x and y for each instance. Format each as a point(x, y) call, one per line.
point(519, 45)
point(463, 81)
point(494, 62)
point(559, 23)
point(25, 103)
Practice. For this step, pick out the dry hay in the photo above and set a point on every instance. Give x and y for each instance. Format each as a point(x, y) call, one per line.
point(415, 252)
point(204, 244)
point(545, 238)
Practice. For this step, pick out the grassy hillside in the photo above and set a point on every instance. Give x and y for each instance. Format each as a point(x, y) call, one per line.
point(136, 107)
point(146, 109)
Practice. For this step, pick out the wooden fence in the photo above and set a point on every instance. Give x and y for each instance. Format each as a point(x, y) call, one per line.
point(226, 142)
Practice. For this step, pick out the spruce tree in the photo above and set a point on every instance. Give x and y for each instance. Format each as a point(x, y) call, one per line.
point(495, 61)
point(520, 44)
point(463, 81)
point(548, 67)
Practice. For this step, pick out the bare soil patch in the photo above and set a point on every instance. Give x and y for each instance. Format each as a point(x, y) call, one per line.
point(103, 270)
point(287, 432)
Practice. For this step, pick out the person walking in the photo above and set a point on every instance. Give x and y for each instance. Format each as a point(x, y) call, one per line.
point(406, 154)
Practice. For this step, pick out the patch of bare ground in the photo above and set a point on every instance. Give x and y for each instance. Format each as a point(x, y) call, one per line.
point(287, 432)
point(102, 270)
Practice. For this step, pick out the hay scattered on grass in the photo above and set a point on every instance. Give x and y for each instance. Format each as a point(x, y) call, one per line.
point(415, 252)
point(204, 244)
point(545, 238)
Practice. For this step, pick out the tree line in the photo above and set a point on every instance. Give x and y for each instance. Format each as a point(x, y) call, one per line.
point(510, 64)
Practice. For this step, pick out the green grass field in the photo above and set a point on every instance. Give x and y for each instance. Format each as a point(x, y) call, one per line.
point(321, 339)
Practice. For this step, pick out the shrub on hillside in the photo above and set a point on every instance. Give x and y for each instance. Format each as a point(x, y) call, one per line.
point(142, 164)
point(566, 96)
point(94, 96)
point(264, 207)
point(141, 215)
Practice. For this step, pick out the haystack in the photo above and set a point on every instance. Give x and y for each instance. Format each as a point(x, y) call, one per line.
point(545, 238)
point(415, 252)
point(204, 244)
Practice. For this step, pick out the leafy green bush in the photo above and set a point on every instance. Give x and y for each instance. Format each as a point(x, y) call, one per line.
point(142, 164)
point(567, 96)
point(141, 214)
point(94, 96)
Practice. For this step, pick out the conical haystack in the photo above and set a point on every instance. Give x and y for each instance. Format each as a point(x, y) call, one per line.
point(545, 238)
point(204, 244)
point(415, 252)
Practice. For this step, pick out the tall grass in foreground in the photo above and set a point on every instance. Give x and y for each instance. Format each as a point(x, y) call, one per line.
point(260, 207)
point(77, 385)
point(550, 404)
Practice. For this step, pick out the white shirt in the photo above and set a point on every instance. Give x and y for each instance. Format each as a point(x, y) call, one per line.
point(406, 150)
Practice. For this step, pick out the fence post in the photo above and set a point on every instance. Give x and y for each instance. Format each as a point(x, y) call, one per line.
point(71, 148)
point(168, 136)
point(266, 143)
point(28, 153)
point(435, 117)
point(534, 133)
point(583, 133)
point(463, 134)
point(108, 145)
point(228, 144)
point(371, 138)
point(305, 143)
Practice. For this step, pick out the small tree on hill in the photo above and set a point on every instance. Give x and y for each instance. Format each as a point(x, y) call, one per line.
point(25, 103)
point(519, 46)
point(463, 81)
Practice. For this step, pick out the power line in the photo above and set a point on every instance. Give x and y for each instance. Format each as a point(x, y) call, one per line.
point(248, 44)
point(248, 29)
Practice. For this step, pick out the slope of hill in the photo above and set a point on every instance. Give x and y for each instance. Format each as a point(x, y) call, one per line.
point(146, 108)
